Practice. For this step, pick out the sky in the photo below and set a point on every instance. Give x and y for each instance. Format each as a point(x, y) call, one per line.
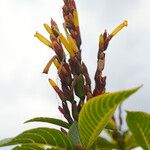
point(25, 92)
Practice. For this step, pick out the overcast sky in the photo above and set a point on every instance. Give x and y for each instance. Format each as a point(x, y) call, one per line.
point(25, 92)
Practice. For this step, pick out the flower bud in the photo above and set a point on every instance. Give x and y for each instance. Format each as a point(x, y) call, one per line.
point(61, 109)
point(58, 50)
point(54, 28)
point(75, 18)
point(101, 40)
point(58, 91)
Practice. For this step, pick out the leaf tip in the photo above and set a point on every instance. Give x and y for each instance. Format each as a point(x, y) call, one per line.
point(137, 88)
point(26, 121)
point(140, 86)
point(127, 111)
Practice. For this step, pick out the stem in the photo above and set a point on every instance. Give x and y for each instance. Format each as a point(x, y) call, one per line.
point(120, 118)
point(67, 112)
point(74, 110)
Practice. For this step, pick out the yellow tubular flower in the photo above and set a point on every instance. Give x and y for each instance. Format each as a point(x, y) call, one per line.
point(75, 18)
point(66, 45)
point(56, 63)
point(59, 66)
point(101, 39)
point(43, 40)
point(47, 67)
point(52, 83)
point(72, 43)
point(48, 29)
point(114, 32)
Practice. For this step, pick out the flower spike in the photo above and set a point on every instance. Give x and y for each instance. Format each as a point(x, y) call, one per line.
point(72, 72)
point(70, 15)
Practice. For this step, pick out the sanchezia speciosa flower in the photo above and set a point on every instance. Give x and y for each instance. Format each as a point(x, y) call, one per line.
point(75, 82)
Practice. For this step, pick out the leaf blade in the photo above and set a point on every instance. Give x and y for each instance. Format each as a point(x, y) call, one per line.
point(73, 133)
point(130, 142)
point(28, 147)
point(50, 120)
point(43, 137)
point(102, 143)
point(103, 108)
point(139, 124)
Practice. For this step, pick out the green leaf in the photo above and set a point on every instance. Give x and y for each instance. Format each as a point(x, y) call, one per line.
point(139, 124)
point(28, 147)
point(42, 137)
point(102, 143)
point(73, 133)
point(50, 120)
point(53, 148)
point(111, 125)
point(33, 147)
point(129, 142)
point(96, 113)
point(7, 140)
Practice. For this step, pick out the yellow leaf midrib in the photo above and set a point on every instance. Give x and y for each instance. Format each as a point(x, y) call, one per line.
point(99, 126)
point(144, 137)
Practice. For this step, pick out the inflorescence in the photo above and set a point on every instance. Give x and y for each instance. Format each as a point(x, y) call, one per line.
point(73, 72)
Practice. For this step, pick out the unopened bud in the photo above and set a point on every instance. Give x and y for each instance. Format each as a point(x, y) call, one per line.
point(61, 109)
point(101, 40)
point(75, 18)
point(58, 91)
